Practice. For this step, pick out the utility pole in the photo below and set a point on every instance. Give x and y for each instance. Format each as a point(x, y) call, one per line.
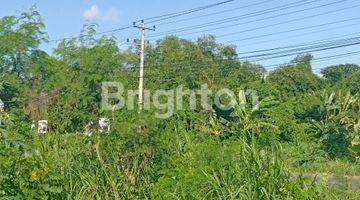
point(141, 77)
point(142, 61)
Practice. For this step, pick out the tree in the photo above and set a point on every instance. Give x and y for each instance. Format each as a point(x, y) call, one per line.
point(337, 73)
point(177, 61)
point(86, 63)
point(351, 83)
point(296, 77)
point(20, 36)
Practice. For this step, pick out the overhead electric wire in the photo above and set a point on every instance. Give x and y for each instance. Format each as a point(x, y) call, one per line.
point(321, 59)
point(289, 21)
point(297, 49)
point(292, 30)
point(181, 13)
point(174, 62)
point(269, 67)
point(302, 47)
point(301, 44)
point(218, 22)
point(98, 33)
point(275, 24)
point(239, 17)
point(316, 60)
point(302, 52)
point(338, 56)
point(162, 17)
point(331, 45)
point(293, 20)
point(271, 25)
point(215, 13)
point(303, 34)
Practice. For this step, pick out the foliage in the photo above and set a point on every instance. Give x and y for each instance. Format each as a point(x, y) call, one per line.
point(263, 88)
point(201, 62)
point(350, 84)
point(339, 72)
point(228, 170)
point(20, 37)
point(295, 78)
point(243, 153)
point(339, 125)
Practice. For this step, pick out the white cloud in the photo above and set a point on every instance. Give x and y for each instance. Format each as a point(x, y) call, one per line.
point(94, 14)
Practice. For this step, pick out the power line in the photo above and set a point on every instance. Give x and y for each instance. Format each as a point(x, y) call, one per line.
point(279, 23)
point(242, 17)
point(303, 34)
point(270, 25)
point(333, 45)
point(302, 47)
point(181, 13)
point(156, 18)
point(236, 18)
point(302, 52)
point(289, 21)
point(321, 59)
point(293, 30)
point(301, 44)
point(215, 13)
point(321, 47)
point(271, 67)
point(99, 33)
point(294, 20)
point(268, 66)
point(315, 60)
point(326, 58)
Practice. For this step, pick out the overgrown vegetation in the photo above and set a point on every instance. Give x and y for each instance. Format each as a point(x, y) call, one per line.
point(304, 122)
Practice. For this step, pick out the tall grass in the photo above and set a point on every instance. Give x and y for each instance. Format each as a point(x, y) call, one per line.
point(187, 166)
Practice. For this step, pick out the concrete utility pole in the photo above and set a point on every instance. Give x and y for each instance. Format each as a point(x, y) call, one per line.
point(142, 61)
point(141, 78)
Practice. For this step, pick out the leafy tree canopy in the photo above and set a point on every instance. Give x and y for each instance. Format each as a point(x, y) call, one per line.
point(337, 73)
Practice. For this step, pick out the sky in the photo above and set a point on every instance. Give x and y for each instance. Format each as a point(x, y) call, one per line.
point(339, 19)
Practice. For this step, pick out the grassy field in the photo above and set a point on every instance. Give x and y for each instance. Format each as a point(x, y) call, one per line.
point(78, 167)
point(286, 133)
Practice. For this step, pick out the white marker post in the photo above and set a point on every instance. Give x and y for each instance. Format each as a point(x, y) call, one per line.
point(104, 125)
point(42, 127)
point(2, 105)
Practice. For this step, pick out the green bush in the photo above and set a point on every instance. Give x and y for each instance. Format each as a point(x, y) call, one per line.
point(295, 78)
point(228, 170)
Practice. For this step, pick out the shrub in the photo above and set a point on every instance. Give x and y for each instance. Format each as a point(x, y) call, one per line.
point(339, 72)
point(228, 170)
point(295, 78)
point(339, 124)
